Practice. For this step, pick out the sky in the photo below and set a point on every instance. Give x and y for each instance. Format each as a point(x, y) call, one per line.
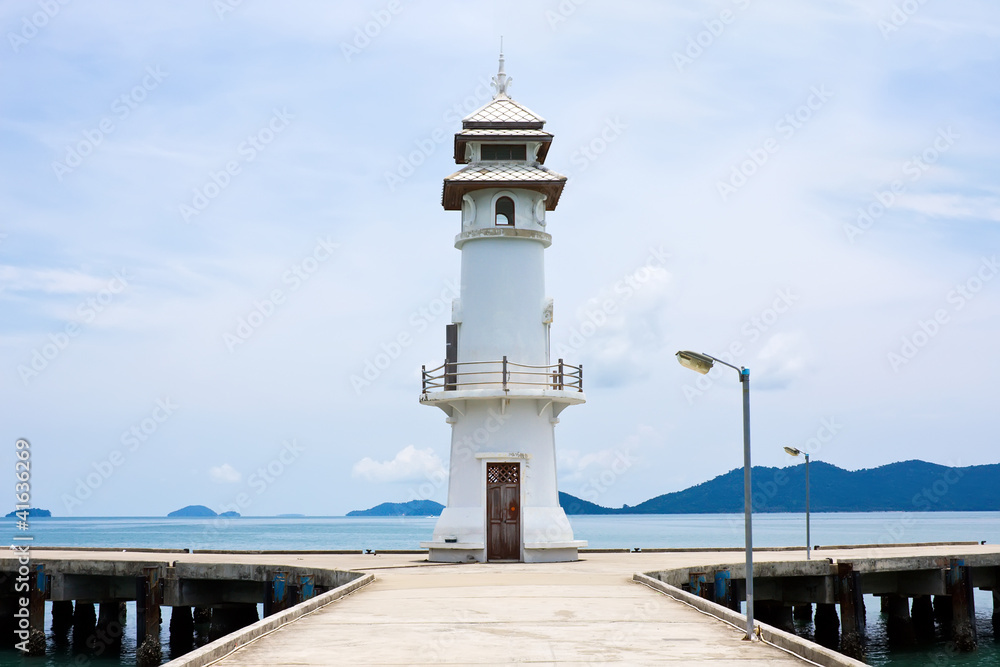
point(223, 257)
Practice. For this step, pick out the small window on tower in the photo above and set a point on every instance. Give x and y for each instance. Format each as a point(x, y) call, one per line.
point(504, 152)
point(505, 212)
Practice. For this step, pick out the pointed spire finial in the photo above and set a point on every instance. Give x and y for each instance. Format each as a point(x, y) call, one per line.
point(501, 81)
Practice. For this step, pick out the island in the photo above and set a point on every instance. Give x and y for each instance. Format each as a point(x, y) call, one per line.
point(199, 512)
point(33, 513)
point(412, 508)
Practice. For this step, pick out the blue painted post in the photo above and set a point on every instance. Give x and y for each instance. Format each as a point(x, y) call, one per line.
point(308, 588)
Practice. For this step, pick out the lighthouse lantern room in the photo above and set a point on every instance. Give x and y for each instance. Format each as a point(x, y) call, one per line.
point(498, 386)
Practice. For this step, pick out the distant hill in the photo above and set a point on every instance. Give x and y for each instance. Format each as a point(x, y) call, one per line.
point(192, 511)
point(908, 486)
point(574, 505)
point(412, 508)
point(32, 513)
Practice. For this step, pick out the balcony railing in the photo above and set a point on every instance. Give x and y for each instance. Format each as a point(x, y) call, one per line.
point(503, 374)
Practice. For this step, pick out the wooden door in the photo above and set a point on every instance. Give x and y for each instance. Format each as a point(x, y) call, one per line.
point(503, 509)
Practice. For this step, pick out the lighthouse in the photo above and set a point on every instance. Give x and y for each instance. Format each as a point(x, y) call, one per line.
point(498, 385)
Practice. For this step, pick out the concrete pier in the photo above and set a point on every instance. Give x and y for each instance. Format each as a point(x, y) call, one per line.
point(425, 613)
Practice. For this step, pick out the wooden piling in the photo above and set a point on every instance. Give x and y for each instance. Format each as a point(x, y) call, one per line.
point(996, 607)
point(111, 625)
point(230, 618)
point(148, 597)
point(898, 624)
point(37, 592)
point(827, 626)
point(181, 630)
point(84, 624)
point(963, 619)
point(851, 601)
point(942, 613)
point(803, 612)
point(922, 614)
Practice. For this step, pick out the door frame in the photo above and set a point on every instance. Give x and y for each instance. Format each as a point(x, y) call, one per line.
point(503, 457)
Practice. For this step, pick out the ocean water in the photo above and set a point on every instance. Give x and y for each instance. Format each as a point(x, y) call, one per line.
point(635, 531)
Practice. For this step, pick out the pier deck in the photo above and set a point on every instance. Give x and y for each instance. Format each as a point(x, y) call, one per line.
point(588, 611)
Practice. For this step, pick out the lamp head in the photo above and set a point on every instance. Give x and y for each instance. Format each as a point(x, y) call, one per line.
point(701, 363)
point(792, 451)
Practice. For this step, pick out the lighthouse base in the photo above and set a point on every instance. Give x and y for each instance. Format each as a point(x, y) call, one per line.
point(461, 537)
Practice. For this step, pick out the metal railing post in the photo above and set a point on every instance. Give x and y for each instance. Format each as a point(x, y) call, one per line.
point(581, 377)
point(504, 373)
point(562, 379)
point(423, 378)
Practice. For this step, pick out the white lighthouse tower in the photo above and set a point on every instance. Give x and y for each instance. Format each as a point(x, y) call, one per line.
point(500, 389)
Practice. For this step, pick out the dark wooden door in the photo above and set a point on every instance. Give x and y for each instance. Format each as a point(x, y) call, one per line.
point(503, 507)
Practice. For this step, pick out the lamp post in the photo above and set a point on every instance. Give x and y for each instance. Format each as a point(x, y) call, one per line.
point(795, 452)
point(702, 363)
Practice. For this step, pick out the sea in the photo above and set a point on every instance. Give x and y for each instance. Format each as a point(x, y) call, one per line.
point(616, 531)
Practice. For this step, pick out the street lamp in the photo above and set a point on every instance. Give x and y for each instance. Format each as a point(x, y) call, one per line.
point(795, 452)
point(702, 363)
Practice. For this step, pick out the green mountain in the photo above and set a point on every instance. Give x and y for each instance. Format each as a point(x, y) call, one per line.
point(574, 505)
point(907, 486)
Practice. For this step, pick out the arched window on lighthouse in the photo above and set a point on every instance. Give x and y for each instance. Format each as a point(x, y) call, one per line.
point(504, 212)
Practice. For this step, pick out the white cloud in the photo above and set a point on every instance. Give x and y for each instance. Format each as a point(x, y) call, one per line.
point(225, 474)
point(409, 465)
point(783, 359)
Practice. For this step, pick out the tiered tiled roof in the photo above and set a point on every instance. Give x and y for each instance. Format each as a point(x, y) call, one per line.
point(502, 120)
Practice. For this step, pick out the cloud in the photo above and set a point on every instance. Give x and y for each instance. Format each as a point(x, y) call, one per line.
point(409, 465)
point(784, 357)
point(620, 328)
point(225, 474)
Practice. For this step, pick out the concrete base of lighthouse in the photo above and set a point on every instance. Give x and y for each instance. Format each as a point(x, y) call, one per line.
point(548, 537)
point(523, 427)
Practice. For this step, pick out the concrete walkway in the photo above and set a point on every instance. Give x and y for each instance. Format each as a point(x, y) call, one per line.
point(563, 614)
point(589, 611)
